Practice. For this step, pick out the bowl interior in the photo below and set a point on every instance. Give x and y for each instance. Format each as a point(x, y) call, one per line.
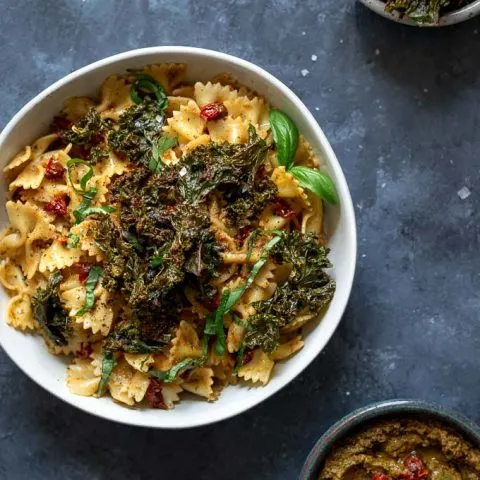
point(359, 419)
point(33, 120)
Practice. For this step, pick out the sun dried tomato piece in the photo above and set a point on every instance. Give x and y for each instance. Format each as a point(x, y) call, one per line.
point(413, 463)
point(83, 269)
point(57, 206)
point(213, 111)
point(213, 304)
point(54, 170)
point(380, 476)
point(61, 122)
point(85, 352)
point(247, 356)
point(282, 207)
point(243, 233)
point(154, 394)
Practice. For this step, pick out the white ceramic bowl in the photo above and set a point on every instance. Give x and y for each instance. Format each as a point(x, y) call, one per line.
point(29, 352)
point(457, 16)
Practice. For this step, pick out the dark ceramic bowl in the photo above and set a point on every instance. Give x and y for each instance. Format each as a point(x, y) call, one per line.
point(363, 416)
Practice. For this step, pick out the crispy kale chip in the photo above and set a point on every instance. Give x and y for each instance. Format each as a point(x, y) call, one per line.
point(424, 11)
point(49, 312)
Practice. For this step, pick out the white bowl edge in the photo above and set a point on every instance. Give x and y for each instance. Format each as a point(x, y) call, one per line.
point(28, 351)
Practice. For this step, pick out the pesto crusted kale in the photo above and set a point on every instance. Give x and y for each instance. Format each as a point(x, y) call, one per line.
point(424, 11)
point(49, 312)
point(308, 289)
point(88, 136)
point(138, 128)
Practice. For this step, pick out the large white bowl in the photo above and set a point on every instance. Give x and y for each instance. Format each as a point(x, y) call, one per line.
point(456, 16)
point(29, 352)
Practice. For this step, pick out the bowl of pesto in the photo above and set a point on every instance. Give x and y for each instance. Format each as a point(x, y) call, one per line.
point(179, 239)
point(425, 13)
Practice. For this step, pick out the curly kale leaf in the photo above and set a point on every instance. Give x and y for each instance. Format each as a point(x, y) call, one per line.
point(49, 312)
point(138, 129)
point(424, 11)
point(263, 331)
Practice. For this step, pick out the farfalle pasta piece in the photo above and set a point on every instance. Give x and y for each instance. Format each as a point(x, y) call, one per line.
point(19, 312)
point(232, 130)
point(110, 166)
point(213, 92)
point(75, 342)
point(288, 187)
point(186, 343)
point(85, 232)
point(235, 336)
point(258, 369)
point(299, 322)
point(200, 382)
point(186, 123)
point(201, 140)
point(170, 393)
point(222, 366)
point(76, 108)
point(287, 349)
point(58, 256)
point(139, 361)
point(47, 190)
point(33, 174)
point(82, 379)
point(114, 97)
point(126, 384)
point(168, 75)
point(255, 111)
point(19, 159)
point(312, 220)
point(11, 276)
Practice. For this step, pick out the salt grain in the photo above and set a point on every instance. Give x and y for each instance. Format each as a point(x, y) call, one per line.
point(305, 72)
point(317, 109)
point(182, 172)
point(314, 58)
point(464, 193)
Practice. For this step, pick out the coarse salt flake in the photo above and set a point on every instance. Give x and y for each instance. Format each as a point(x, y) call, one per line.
point(314, 58)
point(182, 172)
point(464, 193)
point(305, 72)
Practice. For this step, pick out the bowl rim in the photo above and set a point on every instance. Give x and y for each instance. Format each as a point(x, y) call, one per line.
point(331, 160)
point(373, 411)
point(457, 16)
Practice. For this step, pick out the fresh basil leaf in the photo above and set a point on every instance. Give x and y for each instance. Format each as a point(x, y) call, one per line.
point(159, 147)
point(108, 364)
point(79, 212)
point(219, 331)
point(74, 239)
point(84, 180)
point(316, 181)
point(180, 367)
point(98, 210)
point(133, 240)
point(147, 84)
point(93, 277)
point(239, 362)
point(285, 135)
point(236, 319)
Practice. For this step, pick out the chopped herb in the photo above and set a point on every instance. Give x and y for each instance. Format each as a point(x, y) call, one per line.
point(145, 85)
point(159, 147)
point(239, 363)
point(93, 277)
point(159, 256)
point(317, 182)
point(133, 240)
point(180, 367)
point(108, 364)
point(74, 239)
point(79, 212)
point(49, 312)
point(84, 180)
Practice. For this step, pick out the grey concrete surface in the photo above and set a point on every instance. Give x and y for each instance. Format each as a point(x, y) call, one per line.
point(401, 107)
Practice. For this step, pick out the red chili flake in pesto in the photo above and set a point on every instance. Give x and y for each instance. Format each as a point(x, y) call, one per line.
point(54, 170)
point(243, 233)
point(213, 111)
point(247, 357)
point(83, 269)
point(57, 206)
point(415, 468)
point(380, 476)
point(85, 352)
point(282, 207)
point(154, 394)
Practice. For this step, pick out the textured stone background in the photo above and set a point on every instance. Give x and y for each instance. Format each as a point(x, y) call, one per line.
point(401, 109)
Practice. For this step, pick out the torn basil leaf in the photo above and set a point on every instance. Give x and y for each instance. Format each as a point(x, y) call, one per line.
point(74, 239)
point(285, 135)
point(93, 277)
point(316, 181)
point(108, 364)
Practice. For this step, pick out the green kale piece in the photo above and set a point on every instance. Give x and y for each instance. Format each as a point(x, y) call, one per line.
point(49, 312)
point(89, 133)
point(138, 129)
point(263, 331)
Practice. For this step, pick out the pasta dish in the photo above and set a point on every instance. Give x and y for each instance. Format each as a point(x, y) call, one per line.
point(167, 237)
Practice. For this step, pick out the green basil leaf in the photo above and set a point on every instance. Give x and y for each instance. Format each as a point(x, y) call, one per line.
point(239, 362)
point(108, 364)
point(79, 212)
point(148, 84)
point(74, 239)
point(84, 180)
point(316, 181)
point(285, 135)
point(93, 277)
point(163, 144)
point(159, 256)
point(98, 210)
point(219, 330)
point(180, 367)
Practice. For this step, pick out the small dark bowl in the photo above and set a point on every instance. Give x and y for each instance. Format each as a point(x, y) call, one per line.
point(363, 416)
